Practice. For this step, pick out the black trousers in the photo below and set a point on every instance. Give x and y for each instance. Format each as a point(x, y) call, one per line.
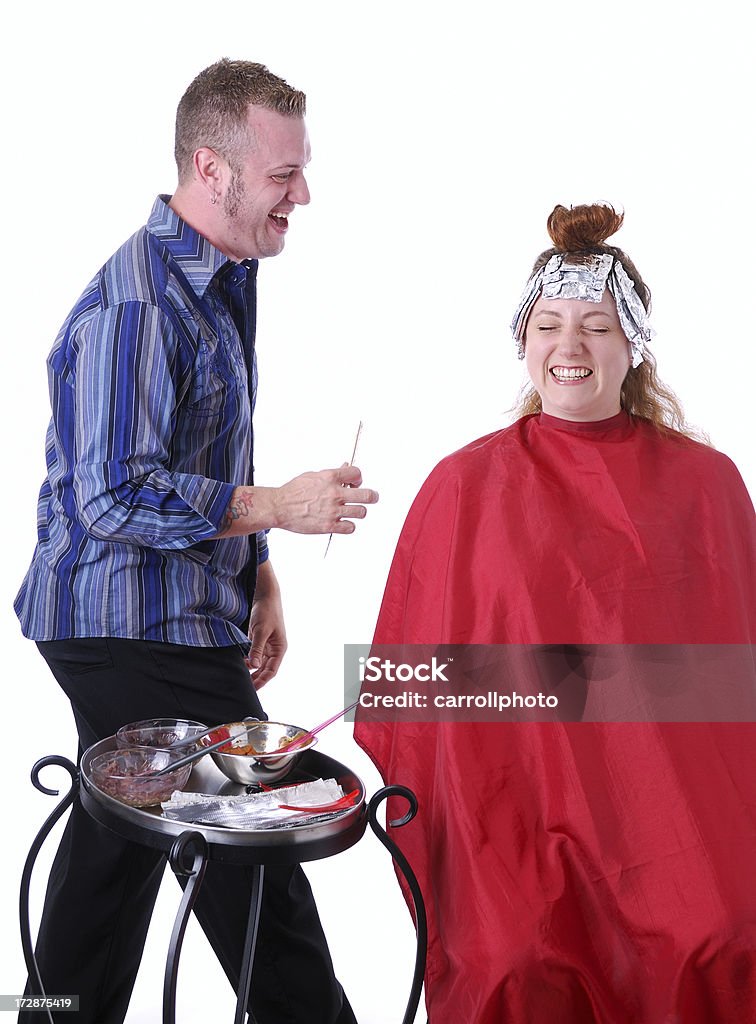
point(102, 889)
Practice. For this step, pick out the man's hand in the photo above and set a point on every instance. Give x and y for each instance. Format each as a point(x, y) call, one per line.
point(322, 502)
point(267, 632)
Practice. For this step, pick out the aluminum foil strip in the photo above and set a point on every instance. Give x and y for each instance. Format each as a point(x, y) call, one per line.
point(586, 277)
point(256, 810)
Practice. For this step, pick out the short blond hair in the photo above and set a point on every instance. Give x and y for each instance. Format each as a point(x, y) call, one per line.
point(213, 110)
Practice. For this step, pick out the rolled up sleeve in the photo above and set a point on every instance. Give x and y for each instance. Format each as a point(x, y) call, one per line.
point(128, 377)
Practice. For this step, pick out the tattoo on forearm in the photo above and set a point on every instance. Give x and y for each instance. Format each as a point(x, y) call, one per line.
point(240, 507)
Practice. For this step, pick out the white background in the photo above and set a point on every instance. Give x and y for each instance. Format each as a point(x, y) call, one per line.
point(443, 135)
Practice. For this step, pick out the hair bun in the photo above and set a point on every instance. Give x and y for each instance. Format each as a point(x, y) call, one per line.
point(582, 227)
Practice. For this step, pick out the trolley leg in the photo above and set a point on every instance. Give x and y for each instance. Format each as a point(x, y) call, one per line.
point(195, 872)
point(250, 941)
point(421, 924)
point(35, 981)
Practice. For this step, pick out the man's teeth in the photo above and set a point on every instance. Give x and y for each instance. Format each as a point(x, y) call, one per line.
point(281, 216)
point(571, 373)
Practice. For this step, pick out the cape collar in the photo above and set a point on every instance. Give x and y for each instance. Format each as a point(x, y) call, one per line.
point(616, 428)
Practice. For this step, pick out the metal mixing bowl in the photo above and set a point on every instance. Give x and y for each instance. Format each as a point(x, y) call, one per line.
point(268, 763)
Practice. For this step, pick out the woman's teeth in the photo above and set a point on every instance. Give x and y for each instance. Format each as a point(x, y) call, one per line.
point(570, 373)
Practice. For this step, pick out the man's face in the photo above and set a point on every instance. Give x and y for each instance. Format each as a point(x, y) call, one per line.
point(266, 185)
point(577, 356)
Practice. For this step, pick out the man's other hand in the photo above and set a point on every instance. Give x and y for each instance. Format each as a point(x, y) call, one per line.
point(267, 633)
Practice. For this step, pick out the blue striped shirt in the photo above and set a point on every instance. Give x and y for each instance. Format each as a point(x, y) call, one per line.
point(152, 384)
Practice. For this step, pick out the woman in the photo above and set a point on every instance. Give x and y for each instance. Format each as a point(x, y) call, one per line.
point(580, 871)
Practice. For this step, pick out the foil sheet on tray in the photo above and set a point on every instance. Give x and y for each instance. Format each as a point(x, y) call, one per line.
point(317, 801)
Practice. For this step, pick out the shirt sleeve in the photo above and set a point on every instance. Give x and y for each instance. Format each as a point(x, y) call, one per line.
point(126, 379)
point(262, 547)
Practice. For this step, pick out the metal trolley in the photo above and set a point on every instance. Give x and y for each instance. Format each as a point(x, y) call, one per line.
point(190, 846)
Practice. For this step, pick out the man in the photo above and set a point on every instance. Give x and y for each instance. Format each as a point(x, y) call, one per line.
point(151, 580)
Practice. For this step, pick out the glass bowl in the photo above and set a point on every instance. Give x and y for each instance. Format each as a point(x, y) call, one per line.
point(164, 733)
point(254, 755)
point(128, 775)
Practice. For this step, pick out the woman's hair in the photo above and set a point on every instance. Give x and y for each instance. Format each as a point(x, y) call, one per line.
point(582, 231)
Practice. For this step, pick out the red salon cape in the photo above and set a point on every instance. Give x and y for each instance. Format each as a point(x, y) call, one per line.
point(576, 872)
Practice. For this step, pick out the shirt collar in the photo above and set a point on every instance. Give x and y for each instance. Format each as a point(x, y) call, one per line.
point(199, 259)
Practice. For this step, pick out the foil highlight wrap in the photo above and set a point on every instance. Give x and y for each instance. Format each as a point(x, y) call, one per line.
point(586, 277)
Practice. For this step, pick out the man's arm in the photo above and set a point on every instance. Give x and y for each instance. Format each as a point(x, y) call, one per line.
point(124, 431)
point(119, 392)
point(267, 633)
point(310, 503)
point(321, 502)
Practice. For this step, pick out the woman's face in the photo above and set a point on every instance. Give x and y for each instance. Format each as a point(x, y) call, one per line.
point(577, 356)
